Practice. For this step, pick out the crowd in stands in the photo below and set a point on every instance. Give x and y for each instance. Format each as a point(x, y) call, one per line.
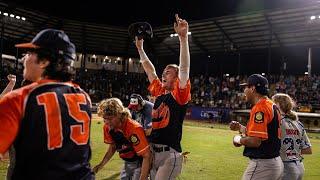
point(207, 91)
point(105, 84)
point(225, 91)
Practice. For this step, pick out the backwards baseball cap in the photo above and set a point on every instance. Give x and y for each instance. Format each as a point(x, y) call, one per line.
point(260, 82)
point(142, 30)
point(135, 101)
point(53, 40)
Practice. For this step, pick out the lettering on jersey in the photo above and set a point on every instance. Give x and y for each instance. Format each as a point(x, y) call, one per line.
point(134, 139)
point(292, 132)
point(259, 117)
point(160, 116)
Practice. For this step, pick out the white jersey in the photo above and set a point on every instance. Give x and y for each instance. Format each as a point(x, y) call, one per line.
point(293, 139)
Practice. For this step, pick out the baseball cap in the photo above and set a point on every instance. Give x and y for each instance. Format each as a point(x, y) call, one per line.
point(260, 82)
point(142, 30)
point(135, 100)
point(52, 39)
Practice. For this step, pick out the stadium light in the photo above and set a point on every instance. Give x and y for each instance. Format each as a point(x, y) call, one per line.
point(263, 74)
point(23, 18)
point(176, 35)
point(5, 14)
point(12, 15)
point(18, 17)
point(227, 75)
point(312, 17)
point(306, 73)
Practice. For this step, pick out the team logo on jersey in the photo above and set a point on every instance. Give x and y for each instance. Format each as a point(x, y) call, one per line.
point(160, 116)
point(259, 117)
point(134, 139)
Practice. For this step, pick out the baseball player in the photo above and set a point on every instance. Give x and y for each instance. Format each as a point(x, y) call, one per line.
point(294, 139)
point(262, 133)
point(127, 137)
point(10, 86)
point(141, 111)
point(48, 121)
point(172, 95)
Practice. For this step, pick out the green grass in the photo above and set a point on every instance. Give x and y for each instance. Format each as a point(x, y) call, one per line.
point(212, 154)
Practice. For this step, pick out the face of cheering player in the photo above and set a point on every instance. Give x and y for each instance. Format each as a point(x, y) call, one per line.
point(137, 108)
point(33, 67)
point(113, 121)
point(249, 94)
point(169, 76)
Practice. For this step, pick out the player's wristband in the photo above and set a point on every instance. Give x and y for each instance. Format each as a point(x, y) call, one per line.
point(236, 139)
point(242, 129)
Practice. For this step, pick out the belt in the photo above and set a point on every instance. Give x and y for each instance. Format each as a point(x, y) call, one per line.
point(263, 157)
point(292, 161)
point(160, 149)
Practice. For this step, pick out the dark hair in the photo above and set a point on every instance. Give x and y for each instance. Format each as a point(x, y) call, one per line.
point(60, 67)
point(262, 90)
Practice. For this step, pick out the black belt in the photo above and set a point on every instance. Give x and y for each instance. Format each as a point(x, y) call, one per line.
point(161, 149)
point(263, 157)
point(292, 161)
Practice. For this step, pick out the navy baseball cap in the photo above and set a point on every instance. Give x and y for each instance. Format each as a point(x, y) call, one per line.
point(260, 82)
point(135, 101)
point(52, 39)
point(142, 30)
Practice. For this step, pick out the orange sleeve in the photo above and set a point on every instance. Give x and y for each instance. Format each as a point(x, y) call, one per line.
point(182, 96)
point(139, 141)
point(11, 106)
point(155, 88)
point(107, 137)
point(258, 123)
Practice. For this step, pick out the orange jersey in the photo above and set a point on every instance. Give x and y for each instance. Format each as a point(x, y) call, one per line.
point(264, 123)
point(168, 113)
point(260, 116)
point(130, 140)
point(51, 120)
point(182, 96)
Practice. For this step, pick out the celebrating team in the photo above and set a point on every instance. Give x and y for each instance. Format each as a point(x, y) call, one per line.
point(47, 122)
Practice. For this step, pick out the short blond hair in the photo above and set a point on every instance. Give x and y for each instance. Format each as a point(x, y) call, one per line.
point(286, 104)
point(113, 107)
point(173, 66)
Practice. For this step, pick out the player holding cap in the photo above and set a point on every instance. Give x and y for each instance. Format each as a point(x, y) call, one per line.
point(262, 134)
point(172, 96)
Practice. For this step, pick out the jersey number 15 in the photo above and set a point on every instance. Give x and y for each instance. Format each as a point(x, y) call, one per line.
point(79, 133)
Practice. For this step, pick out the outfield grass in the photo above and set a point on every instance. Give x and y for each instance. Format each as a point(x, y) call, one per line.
point(212, 154)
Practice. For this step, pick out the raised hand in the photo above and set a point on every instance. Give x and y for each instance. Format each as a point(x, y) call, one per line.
point(12, 78)
point(181, 27)
point(139, 43)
